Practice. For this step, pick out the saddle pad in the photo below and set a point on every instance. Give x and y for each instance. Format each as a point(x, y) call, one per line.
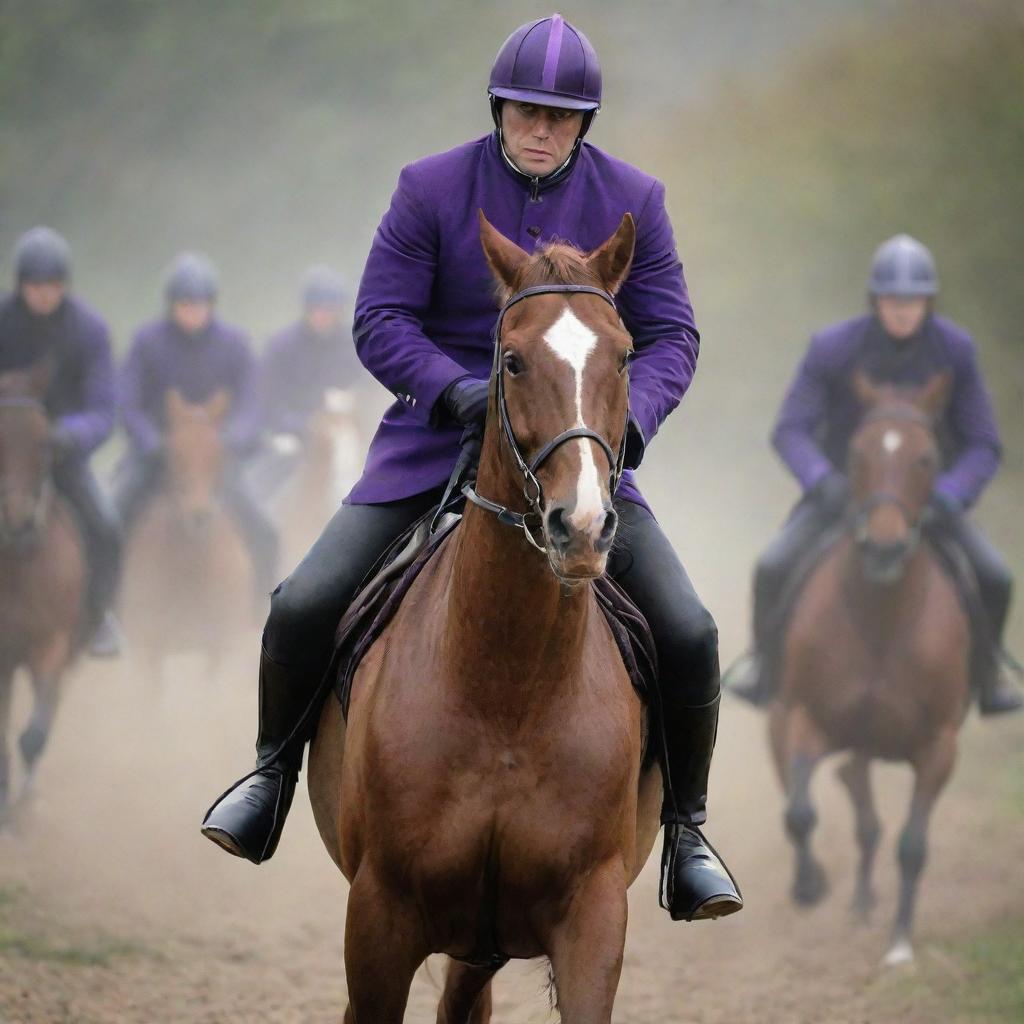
point(378, 601)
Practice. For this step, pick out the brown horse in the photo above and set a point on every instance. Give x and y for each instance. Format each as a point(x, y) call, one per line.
point(189, 576)
point(492, 801)
point(42, 563)
point(329, 466)
point(875, 660)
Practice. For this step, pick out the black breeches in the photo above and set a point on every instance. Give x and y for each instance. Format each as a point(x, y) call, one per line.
point(306, 607)
point(97, 520)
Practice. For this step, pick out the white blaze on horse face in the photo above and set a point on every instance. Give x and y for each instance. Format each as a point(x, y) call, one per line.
point(573, 341)
point(892, 441)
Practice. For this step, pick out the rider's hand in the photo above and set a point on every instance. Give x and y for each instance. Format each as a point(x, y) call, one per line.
point(831, 493)
point(942, 508)
point(466, 401)
point(62, 443)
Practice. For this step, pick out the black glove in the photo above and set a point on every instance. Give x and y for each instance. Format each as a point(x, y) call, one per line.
point(466, 401)
point(62, 443)
point(831, 493)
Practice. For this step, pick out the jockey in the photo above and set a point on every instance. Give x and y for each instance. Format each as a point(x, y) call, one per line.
point(301, 363)
point(423, 325)
point(903, 342)
point(41, 321)
point(193, 352)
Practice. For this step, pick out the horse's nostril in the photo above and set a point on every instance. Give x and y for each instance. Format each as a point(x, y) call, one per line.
point(558, 528)
point(611, 522)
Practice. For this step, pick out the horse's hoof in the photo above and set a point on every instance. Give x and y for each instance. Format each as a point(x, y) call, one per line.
point(810, 886)
point(900, 955)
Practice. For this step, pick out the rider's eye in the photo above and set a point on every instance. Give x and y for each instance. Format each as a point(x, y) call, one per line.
point(513, 364)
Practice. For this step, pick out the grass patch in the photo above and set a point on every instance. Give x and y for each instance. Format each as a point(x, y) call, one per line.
point(34, 947)
point(993, 989)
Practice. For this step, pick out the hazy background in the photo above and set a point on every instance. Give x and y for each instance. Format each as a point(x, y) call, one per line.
point(793, 136)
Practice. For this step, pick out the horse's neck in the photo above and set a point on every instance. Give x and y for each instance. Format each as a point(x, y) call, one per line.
point(882, 611)
point(512, 628)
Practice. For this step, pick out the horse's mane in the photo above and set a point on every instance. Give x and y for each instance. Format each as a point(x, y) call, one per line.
point(556, 263)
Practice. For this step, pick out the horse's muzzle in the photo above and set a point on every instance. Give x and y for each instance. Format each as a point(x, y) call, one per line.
point(883, 564)
point(578, 546)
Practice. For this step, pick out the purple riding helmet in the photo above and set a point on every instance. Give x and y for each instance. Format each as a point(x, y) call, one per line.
point(551, 63)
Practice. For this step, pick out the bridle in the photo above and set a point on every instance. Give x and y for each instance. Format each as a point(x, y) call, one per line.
point(41, 503)
point(533, 492)
point(862, 513)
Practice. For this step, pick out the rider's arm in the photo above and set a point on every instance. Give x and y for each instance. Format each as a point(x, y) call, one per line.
point(655, 307)
point(92, 423)
point(144, 433)
point(394, 295)
point(974, 429)
point(803, 411)
point(242, 426)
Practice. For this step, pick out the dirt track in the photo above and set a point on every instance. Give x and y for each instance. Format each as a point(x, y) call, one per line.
point(109, 867)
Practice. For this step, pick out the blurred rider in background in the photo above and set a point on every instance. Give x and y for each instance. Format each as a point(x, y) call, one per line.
point(903, 342)
point(309, 366)
point(190, 350)
point(40, 321)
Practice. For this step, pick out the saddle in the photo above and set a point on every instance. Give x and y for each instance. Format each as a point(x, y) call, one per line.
point(389, 581)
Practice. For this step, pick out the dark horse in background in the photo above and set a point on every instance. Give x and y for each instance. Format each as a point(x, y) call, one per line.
point(875, 660)
point(42, 565)
point(489, 797)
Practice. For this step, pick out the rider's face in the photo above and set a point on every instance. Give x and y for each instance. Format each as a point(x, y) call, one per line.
point(901, 316)
point(324, 319)
point(190, 316)
point(538, 140)
point(43, 297)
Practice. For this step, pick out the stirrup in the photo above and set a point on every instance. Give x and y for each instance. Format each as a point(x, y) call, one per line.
point(715, 892)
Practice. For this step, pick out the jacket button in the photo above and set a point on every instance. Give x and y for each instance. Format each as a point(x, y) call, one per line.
point(534, 231)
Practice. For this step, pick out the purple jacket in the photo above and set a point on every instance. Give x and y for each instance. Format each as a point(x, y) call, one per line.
point(162, 357)
point(820, 413)
point(81, 396)
point(297, 367)
point(426, 307)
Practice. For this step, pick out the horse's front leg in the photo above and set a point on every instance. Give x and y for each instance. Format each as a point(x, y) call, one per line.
point(6, 693)
point(46, 668)
point(586, 946)
point(931, 773)
point(804, 748)
point(384, 945)
point(855, 775)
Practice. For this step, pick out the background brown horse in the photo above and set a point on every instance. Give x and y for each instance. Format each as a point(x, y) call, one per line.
point(491, 802)
point(329, 465)
point(875, 660)
point(188, 579)
point(42, 566)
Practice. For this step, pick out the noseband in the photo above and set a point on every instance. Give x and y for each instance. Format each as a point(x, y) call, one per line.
point(533, 492)
point(41, 503)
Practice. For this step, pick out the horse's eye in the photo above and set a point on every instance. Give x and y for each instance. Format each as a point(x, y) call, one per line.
point(513, 364)
point(626, 360)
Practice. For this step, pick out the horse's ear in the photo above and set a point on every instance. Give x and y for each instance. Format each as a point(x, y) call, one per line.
point(868, 393)
point(175, 405)
point(934, 396)
point(37, 379)
point(504, 257)
point(611, 261)
point(217, 405)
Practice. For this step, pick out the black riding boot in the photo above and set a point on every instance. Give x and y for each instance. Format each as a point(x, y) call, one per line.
point(247, 820)
point(695, 883)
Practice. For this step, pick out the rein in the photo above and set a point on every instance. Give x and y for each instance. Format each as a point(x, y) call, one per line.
point(533, 492)
point(41, 504)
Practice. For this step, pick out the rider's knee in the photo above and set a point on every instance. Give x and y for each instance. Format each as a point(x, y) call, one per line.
point(690, 656)
point(294, 626)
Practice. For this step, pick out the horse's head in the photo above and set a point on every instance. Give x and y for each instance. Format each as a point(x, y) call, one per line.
point(560, 390)
point(892, 465)
point(25, 455)
point(195, 454)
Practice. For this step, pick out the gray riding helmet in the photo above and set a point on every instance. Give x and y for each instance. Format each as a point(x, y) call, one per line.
point(902, 266)
point(191, 278)
point(322, 286)
point(42, 255)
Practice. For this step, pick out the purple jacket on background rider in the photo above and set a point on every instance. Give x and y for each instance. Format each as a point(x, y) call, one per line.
point(426, 306)
point(81, 397)
point(162, 357)
point(820, 413)
point(297, 366)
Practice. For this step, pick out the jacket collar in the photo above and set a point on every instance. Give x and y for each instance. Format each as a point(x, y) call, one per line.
point(541, 183)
